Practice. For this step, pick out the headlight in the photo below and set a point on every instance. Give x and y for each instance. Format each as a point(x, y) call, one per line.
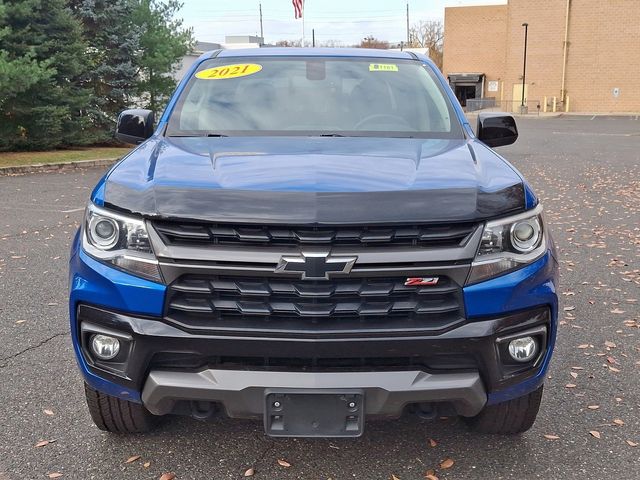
point(120, 241)
point(508, 244)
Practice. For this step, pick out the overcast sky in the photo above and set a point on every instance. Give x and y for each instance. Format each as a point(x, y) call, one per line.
point(347, 21)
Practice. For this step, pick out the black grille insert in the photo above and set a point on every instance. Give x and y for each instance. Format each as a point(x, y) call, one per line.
point(450, 235)
point(283, 305)
point(431, 362)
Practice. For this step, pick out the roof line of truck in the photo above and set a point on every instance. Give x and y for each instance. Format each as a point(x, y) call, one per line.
point(311, 52)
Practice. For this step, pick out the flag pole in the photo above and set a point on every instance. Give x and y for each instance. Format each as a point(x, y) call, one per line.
point(303, 2)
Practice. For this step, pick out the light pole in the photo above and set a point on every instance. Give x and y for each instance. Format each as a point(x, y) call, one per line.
point(524, 67)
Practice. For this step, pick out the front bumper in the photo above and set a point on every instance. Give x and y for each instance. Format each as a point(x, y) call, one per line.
point(462, 366)
point(243, 393)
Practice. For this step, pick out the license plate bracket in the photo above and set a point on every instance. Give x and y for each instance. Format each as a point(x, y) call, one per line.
point(308, 413)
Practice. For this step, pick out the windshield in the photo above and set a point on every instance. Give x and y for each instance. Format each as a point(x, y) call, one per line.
point(314, 96)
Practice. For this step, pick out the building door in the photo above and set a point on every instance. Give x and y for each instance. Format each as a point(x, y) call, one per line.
point(465, 92)
point(467, 86)
point(517, 96)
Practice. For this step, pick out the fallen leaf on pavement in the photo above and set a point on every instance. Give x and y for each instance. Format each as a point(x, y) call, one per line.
point(618, 422)
point(54, 475)
point(617, 310)
point(447, 463)
point(573, 374)
point(284, 463)
point(393, 477)
point(570, 385)
point(430, 476)
point(250, 472)
point(551, 437)
point(47, 411)
point(595, 433)
point(132, 459)
point(146, 464)
point(432, 443)
point(168, 476)
point(593, 407)
point(42, 443)
point(632, 444)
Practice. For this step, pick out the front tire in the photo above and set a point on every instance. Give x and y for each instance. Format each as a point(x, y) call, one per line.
point(113, 414)
point(510, 417)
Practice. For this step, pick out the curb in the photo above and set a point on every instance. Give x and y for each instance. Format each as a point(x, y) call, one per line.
point(56, 167)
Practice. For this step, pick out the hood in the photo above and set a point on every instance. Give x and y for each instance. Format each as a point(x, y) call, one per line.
point(310, 180)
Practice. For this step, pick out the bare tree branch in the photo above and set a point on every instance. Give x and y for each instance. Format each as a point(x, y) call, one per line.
point(428, 34)
point(372, 42)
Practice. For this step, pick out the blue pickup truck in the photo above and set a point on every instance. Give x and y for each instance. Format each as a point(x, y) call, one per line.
point(313, 237)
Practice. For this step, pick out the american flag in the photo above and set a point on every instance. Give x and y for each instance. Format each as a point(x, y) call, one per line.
point(298, 8)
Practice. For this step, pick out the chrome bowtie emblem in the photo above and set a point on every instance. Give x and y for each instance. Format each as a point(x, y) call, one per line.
point(315, 266)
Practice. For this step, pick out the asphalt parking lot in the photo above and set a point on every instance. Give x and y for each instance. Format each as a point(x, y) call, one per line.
point(586, 171)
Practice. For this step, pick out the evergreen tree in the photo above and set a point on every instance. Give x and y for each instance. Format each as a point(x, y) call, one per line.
point(42, 98)
point(114, 43)
point(163, 43)
point(67, 68)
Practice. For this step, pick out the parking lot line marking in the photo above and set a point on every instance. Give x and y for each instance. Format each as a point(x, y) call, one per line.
point(35, 208)
point(597, 134)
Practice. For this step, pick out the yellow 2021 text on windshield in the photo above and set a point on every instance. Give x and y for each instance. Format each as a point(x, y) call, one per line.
point(229, 71)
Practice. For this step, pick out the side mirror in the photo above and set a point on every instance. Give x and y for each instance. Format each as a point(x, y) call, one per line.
point(135, 126)
point(497, 129)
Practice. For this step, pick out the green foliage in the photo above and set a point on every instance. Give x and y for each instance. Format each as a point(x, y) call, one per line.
point(114, 44)
point(68, 67)
point(41, 62)
point(163, 43)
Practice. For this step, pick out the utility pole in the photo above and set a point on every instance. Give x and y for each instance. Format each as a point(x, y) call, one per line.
point(408, 39)
point(313, 37)
point(524, 67)
point(261, 30)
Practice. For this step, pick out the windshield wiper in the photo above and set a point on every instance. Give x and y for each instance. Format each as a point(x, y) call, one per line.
point(216, 135)
point(330, 135)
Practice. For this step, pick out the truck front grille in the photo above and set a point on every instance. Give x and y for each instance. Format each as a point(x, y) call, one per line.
point(341, 306)
point(193, 234)
point(431, 362)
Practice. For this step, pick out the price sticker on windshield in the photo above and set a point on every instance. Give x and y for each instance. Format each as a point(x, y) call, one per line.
point(229, 71)
point(383, 67)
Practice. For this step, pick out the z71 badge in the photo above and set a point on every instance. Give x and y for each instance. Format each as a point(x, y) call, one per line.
point(421, 281)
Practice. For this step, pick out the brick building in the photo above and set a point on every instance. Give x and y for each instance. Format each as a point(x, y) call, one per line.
point(585, 53)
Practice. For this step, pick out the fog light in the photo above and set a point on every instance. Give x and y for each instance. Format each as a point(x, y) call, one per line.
point(523, 349)
point(105, 347)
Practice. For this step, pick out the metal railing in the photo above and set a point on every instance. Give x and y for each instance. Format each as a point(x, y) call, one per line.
point(534, 106)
